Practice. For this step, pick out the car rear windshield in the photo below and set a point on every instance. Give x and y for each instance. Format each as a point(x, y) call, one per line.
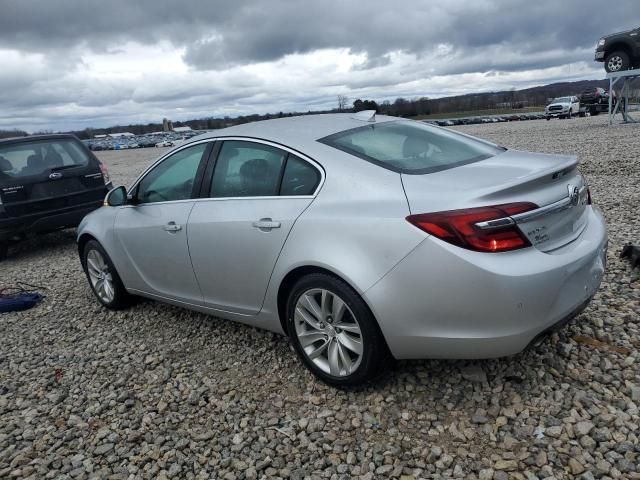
point(411, 147)
point(25, 159)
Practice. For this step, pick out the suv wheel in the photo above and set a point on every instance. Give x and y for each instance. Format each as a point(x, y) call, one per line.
point(617, 61)
point(103, 278)
point(4, 248)
point(334, 332)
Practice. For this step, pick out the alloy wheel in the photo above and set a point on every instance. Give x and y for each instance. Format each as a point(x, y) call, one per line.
point(100, 276)
point(615, 63)
point(328, 332)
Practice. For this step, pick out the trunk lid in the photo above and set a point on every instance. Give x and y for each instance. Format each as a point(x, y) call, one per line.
point(552, 182)
point(48, 174)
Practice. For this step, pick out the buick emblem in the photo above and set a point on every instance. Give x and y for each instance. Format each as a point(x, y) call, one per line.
point(574, 194)
point(55, 175)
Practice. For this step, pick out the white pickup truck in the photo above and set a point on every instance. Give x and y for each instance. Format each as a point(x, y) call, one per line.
point(563, 107)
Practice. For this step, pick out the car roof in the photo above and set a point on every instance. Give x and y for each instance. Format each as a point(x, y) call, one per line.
point(35, 138)
point(299, 131)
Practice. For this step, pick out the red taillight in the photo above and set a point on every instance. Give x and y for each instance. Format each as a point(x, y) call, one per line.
point(460, 227)
point(105, 173)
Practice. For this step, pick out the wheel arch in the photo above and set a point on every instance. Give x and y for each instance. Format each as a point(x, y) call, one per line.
point(83, 239)
point(619, 45)
point(289, 280)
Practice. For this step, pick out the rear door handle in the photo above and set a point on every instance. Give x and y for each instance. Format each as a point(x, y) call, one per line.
point(266, 224)
point(172, 227)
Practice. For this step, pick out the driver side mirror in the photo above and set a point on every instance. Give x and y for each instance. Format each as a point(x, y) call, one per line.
point(116, 197)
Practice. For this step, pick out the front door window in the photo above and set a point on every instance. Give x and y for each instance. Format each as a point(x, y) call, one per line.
point(173, 178)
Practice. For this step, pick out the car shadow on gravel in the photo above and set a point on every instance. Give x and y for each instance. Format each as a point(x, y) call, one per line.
point(519, 370)
point(40, 245)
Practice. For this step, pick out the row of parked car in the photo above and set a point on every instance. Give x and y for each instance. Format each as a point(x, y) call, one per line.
point(490, 119)
point(139, 141)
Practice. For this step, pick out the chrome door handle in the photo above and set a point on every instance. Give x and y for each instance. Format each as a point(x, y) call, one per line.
point(266, 224)
point(171, 227)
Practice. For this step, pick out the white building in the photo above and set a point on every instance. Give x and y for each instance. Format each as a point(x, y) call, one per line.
point(121, 135)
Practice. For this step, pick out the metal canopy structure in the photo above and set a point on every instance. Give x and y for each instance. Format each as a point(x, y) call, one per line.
point(622, 105)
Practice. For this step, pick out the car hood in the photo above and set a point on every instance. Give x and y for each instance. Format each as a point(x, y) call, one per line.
point(625, 32)
point(560, 104)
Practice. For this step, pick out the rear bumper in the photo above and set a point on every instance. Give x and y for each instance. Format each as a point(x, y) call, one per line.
point(45, 221)
point(599, 56)
point(445, 302)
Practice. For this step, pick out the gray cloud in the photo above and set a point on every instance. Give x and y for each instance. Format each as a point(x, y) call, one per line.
point(221, 33)
point(217, 38)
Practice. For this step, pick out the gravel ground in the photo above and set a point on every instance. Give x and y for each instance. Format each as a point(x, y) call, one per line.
point(161, 392)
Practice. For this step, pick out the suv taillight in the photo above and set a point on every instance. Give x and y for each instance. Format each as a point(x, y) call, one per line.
point(460, 227)
point(105, 173)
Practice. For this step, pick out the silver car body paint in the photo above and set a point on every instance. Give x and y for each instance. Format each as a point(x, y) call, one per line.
point(430, 298)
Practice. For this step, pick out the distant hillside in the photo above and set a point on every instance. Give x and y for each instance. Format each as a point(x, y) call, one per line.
point(508, 99)
point(534, 96)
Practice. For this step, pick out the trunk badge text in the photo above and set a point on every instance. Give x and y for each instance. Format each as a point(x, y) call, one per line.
point(55, 175)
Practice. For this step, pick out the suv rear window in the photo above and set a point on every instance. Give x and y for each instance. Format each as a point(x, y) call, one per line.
point(411, 147)
point(25, 159)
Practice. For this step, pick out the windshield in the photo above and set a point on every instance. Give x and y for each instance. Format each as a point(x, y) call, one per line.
point(41, 156)
point(561, 100)
point(411, 147)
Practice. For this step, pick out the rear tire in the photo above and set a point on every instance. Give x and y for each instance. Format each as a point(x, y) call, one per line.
point(103, 277)
point(334, 332)
point(617, 61)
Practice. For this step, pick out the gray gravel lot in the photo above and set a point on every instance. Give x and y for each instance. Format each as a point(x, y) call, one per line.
point(160, 392)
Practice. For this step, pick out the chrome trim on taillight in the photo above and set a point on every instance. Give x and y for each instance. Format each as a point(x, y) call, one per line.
point(498, 222)
point(572, 200)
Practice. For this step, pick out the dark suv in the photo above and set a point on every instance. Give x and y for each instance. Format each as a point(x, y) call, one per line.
point(619, 51)
point(595, 95)
point(47, 182)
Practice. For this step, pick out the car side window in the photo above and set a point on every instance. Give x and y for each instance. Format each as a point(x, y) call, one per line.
point(247, 169)
point(173, 178)
point(300, 178)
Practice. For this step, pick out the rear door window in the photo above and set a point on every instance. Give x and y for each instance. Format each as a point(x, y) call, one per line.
point(247, 169)
point(251, 169)
point(45, 156)
point(299, 178)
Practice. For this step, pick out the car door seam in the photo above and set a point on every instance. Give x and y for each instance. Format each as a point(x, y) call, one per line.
point(193, 269)
point(264, 297)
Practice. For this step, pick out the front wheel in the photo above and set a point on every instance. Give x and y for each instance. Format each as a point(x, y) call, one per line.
point(569, 115)
point(617, 61)
point(103, 277)
point(334, 332)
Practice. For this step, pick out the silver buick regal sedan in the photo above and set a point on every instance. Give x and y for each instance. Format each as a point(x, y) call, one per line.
point(361, 237)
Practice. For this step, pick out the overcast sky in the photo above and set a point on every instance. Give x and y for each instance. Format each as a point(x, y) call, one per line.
point(72, 64)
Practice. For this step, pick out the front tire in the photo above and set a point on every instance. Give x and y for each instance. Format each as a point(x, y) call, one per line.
point(334, 332)
point(617, 61)
point(103, 277)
